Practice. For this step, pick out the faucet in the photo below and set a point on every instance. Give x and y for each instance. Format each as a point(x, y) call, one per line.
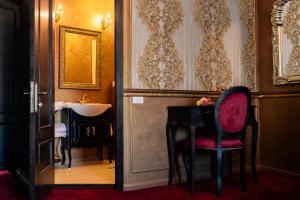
point(84, 99)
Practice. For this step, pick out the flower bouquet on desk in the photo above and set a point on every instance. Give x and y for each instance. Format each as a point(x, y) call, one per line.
point(205, 102)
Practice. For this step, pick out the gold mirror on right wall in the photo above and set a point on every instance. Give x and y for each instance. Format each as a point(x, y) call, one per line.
point(286, 41)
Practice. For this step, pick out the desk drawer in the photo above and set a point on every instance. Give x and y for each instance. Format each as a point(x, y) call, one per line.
point(189, 113)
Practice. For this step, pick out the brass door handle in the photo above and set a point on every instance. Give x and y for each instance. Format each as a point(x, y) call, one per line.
point(88, 130)
point(94, 130)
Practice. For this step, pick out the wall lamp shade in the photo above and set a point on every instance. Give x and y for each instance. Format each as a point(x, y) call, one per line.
point(104, 23)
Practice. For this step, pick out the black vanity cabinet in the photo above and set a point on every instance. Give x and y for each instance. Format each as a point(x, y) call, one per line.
point(86, 132)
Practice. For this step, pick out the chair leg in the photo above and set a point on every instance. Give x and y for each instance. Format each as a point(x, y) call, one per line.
point(186, 164)
point(229, 163)
point(101, 152)
point(219, 172)
point(110, 152)
point(242, 170)
point(213, 159)
point(192, 170)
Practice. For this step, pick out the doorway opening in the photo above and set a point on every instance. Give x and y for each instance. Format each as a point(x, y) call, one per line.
point(84, 98)
point(29, 36)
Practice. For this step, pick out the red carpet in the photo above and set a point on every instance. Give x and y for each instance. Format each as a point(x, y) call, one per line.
point(272, 186)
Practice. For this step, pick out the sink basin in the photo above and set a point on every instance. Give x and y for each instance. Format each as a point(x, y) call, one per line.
point(88, 109)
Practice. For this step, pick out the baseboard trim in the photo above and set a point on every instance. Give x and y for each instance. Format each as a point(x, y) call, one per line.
point(280, 170)
point(142, 184)
point(159, 182)
point(145, 184)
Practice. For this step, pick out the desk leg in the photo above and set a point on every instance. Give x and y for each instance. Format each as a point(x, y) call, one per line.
point(192, 159)
point(110, 149)
point(171, 152)
point(229, 163)
point(70, 157)
point(62, 150)
point(254, 127)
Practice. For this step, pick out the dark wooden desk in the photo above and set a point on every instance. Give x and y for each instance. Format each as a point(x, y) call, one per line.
point(193, 117)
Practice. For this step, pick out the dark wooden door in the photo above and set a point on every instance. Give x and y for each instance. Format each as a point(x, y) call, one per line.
point(9, 81)
point(42, 128)
point(36, 149)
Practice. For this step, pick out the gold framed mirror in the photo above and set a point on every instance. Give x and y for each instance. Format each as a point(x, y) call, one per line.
point(79, 58)
point(286, 42)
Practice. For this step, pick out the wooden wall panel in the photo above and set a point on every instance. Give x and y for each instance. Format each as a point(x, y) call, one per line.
point(280, 133)
point(279, 117)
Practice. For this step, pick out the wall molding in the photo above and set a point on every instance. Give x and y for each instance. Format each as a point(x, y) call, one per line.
point(279, 95)
point(195, 94)
point(173, 93)
point(132, 169)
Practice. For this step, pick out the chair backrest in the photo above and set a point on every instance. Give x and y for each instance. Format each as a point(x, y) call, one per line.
point(231, 110)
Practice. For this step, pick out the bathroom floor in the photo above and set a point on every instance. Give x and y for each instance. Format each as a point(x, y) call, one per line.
point(89, 172)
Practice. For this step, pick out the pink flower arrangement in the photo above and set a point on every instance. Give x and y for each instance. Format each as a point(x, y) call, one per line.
point(205, 102)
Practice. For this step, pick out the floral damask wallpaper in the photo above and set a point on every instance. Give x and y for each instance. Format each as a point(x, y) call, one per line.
point(204, 45)
point(160, 65)
point(212, 66)
point(248, 58)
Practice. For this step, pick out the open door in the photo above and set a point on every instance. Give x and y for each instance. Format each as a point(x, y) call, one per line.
point(36, 166)
point(42, 119)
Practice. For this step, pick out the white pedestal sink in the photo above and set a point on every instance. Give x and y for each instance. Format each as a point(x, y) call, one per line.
point(88, 109)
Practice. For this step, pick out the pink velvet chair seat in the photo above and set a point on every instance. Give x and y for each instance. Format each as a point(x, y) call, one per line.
point(210, 143)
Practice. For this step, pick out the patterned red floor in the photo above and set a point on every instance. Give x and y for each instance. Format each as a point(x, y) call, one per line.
point(272, 186)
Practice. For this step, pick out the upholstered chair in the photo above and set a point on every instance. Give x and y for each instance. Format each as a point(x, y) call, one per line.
point(230, 115)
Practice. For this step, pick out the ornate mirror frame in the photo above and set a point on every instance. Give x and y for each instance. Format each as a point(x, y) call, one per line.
point(279, 77)
point(63, 30)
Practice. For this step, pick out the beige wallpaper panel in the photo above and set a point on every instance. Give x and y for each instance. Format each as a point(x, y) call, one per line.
point(238, 41)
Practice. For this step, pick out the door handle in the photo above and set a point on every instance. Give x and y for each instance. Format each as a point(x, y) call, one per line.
point(42, 93)
point(26, 93)
point(40, 104)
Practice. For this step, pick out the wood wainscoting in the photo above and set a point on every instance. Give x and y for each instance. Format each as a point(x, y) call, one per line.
point(145, 144)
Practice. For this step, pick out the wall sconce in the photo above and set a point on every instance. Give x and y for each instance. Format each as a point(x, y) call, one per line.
point(59, 13)
point(104, 23)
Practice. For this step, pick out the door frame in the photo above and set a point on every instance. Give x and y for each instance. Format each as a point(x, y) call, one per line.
point(119, 61)
point(119, 163)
